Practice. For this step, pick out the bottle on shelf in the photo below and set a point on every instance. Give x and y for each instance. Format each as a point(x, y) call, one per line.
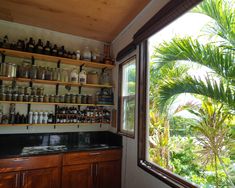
point(47, 48)
point(6, 43)
point(61, 51)
point(30, 119)
point(39, 47)
point(54, 50)
point(82, 77)
point(30, 45)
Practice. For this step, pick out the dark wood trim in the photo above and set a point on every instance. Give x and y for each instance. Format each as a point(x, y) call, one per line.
point(170, 12)
point(131, 47)
point(162, 18)
point(120, 71)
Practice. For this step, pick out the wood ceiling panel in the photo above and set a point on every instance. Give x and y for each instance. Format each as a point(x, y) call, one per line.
point(97, 19)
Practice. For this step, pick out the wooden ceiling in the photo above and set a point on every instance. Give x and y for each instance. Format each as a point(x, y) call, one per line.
point(96, 19)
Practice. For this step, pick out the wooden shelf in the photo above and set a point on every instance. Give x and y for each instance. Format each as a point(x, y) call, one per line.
point(50, 103)
point(54, 59)
point(51, 82)
point(56, 124)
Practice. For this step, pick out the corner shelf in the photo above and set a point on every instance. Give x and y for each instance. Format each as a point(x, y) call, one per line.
point(54, 59)
point(50, 103)
point(51, 82)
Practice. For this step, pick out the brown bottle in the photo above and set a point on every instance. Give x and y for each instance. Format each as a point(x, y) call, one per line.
point(47, 48)
point(54, 50)
point(30, 45)
point(39, 47)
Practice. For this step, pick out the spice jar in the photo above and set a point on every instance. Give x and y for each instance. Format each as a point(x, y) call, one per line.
point(8, 97)
point(35, 98)
point(57, 98)
point(33, 72)
point(41, 98)
point(84, 99)
point(26, 98)
point(67, 98)
point(52, 98)
point(2, 96)
point(73, 99)
point(21, 97)
point(62, 98)
point(89, 99)
point(46, 98)
point(79, 99)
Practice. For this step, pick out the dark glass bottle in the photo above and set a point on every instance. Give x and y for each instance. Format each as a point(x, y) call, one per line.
point(39, 47)
point(6, 43)
point(20, 45)
point(54, 50)
point(30, 45)
point(47, 48)
point(61, 51)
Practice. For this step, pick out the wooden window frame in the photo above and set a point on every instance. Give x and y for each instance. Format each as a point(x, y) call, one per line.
point(120, 99)
point(170, 12)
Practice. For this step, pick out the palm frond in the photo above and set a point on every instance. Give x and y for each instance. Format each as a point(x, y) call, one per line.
point(191, 51)
point(209, 88)
point(223, 15)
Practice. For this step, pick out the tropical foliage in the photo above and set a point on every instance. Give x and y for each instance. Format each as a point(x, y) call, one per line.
point(192, 116)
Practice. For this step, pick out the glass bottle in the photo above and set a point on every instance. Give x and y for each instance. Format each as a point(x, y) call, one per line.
point(74, 76)
point(54, 50)
point(61, 51)
point(47, 48)
point(39, 47)
point(86, 54)
point(30, 45)
point(6, 43)
point(82, 77)
point(33, 72)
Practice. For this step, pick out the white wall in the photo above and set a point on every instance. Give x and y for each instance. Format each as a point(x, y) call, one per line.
point(132, 175)
point(17, 31)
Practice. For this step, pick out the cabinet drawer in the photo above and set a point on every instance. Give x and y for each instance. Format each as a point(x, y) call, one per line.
point(27, 163)
point(91, 156)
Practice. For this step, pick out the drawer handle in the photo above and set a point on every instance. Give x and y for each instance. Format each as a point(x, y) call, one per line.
point(20, 159)
point(97, 153)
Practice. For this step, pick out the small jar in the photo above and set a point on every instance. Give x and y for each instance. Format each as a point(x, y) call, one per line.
point(52, 98)
point(30, 98)
point(73, 99)
point(21, 97)
point(8, 97)
point(67, 98)
point(2, 96)
point(57, 98)
point(89, 99)
point(46, 98)
point(26, 98)
point(35, 98)
point(33, 90)
point(20, 90)
point(40, 91)
point(41, 98)
point(84, 99)
point(62, 98)
point(15, 97)
point(79, 99)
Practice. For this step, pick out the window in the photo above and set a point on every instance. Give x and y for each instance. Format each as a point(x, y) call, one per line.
point(127, 97)
point(185, 113)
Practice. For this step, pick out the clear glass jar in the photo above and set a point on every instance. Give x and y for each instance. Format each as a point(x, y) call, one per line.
point(33, 72)
point(41, 73)
point(64, 75)
point(54, 74)
point(48, 74)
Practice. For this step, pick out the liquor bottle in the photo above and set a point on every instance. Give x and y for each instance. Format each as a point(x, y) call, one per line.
point(47, 48)
point(6, 43)
point(54, 50)
point(61, 51)
point(30, 45)
point(39, 47)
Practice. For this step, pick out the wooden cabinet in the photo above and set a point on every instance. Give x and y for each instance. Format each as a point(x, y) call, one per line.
point(97, 169)
point(78, 176)
point(9, 180)
point(108, 174)
point(42, 178)
point(31, 172)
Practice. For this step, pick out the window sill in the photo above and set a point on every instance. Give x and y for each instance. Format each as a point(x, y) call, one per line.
point(165, 176)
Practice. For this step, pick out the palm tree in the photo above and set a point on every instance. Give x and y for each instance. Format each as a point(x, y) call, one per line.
point(217, 56)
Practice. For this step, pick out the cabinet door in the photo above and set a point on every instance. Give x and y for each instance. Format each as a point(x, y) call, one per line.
point(42, 178)
point(108, 174)
point(77, 176)
point(9, 180)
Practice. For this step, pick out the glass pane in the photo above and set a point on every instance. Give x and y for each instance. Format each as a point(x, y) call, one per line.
point(191, 111)
point(128, 116)
point(128, 78)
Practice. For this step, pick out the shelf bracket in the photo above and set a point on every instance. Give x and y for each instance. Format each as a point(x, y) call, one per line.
point(58, 63)
point(3, 57)
point(81, 67)
point(32, 60)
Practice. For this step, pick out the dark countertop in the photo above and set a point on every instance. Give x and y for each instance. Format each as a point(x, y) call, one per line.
point(24, 145)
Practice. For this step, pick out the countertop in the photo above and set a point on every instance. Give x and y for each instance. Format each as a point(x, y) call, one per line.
point(25, 145)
